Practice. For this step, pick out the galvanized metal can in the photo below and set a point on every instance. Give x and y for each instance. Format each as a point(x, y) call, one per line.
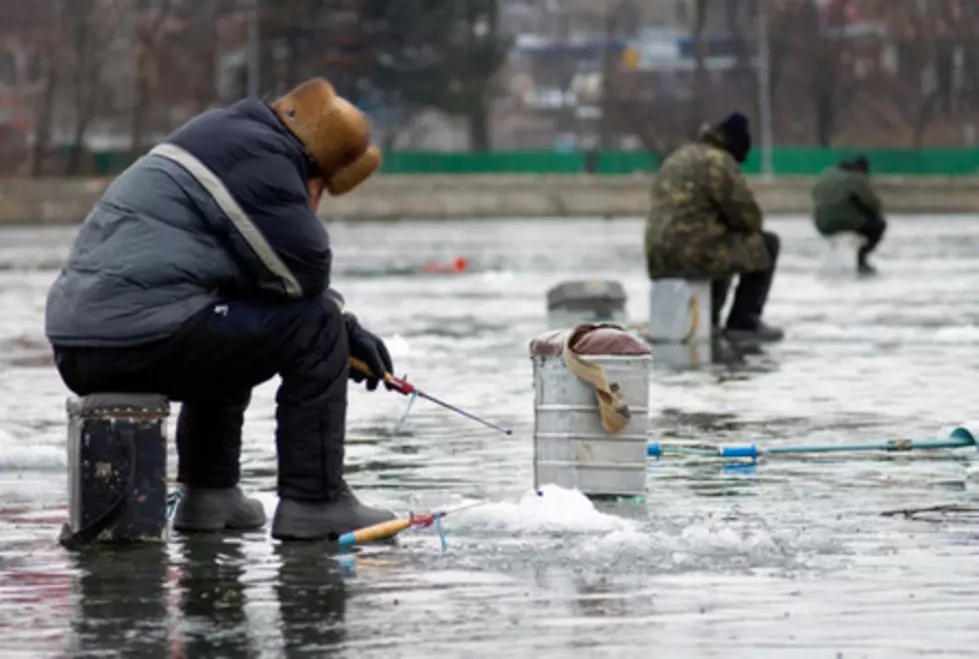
point(571, 448)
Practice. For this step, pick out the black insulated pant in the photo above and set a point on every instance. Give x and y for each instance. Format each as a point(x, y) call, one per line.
point(751, 294)
point(211, 366)
point(873, 230)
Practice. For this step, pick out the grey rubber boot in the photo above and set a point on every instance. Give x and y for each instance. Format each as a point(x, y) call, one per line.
point(203, 509)
point(314, 520)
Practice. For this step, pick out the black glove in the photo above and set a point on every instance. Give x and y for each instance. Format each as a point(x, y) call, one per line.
point(369, 349)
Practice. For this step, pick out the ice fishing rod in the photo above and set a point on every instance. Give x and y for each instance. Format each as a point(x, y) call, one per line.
point(389, 529)
point(386, 530)
point(961, 437)
point(402, 386)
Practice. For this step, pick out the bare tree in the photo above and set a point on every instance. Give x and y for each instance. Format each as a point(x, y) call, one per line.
point(697, 107)
point(783, 21)
point(661, 111)
point(746, 49)
point(42, 44)
point(83, 26)
point(197, 49)
point(908, 94)
point(957, 67)
point(968, 37)
point(810, 64)
point(179, 77)
point(292, 27)
point(152, 29)
point(657, 119)
point(828, 58)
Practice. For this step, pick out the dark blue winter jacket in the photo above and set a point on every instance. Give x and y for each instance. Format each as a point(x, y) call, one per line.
point(219, 211)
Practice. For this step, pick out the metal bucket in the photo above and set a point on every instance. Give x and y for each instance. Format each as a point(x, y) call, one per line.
point(571, 449)
point(571, 303)
point(680, 310)
point(117, 469)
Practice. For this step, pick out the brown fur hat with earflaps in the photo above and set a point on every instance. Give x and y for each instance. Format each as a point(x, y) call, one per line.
point(335, 133)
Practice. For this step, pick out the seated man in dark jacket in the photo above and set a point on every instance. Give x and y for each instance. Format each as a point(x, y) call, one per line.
point(204, 271)
point(704, 223)
point(845, 202)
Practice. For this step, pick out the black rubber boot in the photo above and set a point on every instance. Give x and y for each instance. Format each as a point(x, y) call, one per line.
point(753, 330)
point(327, 520)
point(205, 509)
point(863, 266)
point(866, 269)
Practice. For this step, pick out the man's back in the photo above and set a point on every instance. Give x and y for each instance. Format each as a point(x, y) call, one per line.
point(158, 247)
point(842, 201)
point(128, 278)
point(702, 216)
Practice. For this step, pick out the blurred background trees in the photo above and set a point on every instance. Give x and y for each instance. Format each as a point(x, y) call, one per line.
point(87, 85)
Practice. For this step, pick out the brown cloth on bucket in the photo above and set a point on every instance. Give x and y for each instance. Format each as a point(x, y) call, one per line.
point(594, 339)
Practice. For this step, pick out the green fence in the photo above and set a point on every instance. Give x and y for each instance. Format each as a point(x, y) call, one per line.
point(786, 161)
point(909, 162)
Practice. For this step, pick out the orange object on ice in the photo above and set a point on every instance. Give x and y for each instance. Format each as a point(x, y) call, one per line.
point(459, 265)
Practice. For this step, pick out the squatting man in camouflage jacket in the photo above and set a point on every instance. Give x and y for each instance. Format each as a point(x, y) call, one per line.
point(704, 223)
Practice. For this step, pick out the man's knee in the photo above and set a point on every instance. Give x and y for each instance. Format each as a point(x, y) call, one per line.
point(259, 338)
point(772, 243)
point(875, 228)
point(315, 324)
point(316, 338)
point(297, 320)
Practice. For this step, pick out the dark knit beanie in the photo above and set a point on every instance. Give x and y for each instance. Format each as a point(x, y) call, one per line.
point(737, 136)
point(857, 164)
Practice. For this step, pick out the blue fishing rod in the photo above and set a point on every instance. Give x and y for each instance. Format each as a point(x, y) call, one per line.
point(961, 437)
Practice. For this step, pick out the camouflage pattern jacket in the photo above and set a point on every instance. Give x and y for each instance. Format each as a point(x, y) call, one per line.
point(704, 222)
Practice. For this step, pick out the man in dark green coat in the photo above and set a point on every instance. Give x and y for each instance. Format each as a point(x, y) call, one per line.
point(704, 223)
point(845, 202)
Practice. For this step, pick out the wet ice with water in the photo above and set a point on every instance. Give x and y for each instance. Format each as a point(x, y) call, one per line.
point(791, 558)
